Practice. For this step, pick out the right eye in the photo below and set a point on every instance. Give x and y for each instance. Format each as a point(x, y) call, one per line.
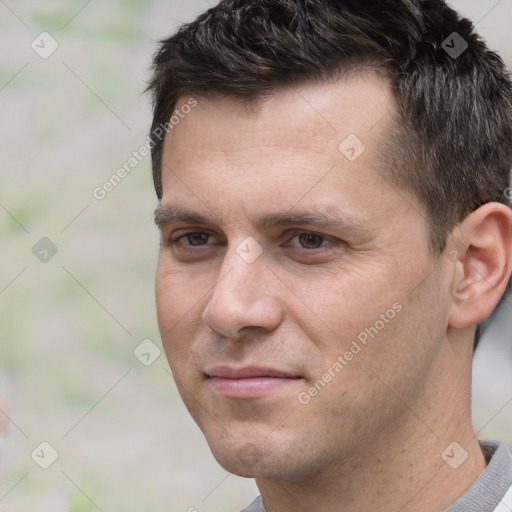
point(193, 238)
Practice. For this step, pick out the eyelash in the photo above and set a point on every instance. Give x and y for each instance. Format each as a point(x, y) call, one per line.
point(176, 240)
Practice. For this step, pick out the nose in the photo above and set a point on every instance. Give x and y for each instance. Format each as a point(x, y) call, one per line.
point(245, 296)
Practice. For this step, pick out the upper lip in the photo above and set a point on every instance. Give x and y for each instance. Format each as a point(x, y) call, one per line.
point(245, 372)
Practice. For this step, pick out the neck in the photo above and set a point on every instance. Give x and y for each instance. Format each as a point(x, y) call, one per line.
point(403, 469)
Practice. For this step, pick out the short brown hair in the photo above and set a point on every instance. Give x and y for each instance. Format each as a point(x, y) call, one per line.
point(452, 142)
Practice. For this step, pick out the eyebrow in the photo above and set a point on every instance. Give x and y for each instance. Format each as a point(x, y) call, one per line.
point(327, 217)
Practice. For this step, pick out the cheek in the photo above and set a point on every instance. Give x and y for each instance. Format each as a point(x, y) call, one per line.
point(372, 321)
point(166, 310)
point(391, 348)
point(363, 385)
point(177, 295)
point(343, 307)
point(176, 308)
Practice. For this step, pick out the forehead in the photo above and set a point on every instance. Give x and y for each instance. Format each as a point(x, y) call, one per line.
point(293, 117)
point(315, 145)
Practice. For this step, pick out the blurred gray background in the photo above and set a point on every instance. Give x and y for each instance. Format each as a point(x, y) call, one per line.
point(77, 272)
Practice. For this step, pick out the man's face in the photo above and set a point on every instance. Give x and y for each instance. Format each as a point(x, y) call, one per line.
point(304, 257)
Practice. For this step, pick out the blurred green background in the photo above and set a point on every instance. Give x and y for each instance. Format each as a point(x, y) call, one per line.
point(69, 324)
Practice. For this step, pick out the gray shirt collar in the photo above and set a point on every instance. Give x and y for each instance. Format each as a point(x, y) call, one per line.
point(487, 491)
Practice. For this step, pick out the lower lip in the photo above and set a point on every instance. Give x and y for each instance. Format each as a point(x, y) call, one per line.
point(252, 387)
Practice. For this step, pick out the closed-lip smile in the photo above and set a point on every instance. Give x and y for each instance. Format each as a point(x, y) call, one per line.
point(248, 382)
point(247, 372)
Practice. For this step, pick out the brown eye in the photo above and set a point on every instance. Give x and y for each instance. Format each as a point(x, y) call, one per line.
point(197, 238)
point(193, 239)
point(311, 240)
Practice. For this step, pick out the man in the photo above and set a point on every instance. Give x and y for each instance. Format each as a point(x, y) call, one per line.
point(335, 222)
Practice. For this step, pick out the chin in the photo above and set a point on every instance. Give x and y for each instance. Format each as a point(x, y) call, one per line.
point(249, 460)
point(246, 459)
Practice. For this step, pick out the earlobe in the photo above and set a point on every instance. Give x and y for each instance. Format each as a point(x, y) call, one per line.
point(483, 264)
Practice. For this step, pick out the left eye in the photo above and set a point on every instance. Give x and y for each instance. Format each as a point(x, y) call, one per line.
point(311, 240)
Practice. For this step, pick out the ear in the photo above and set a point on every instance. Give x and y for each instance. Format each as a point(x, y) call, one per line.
point(481, 248)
